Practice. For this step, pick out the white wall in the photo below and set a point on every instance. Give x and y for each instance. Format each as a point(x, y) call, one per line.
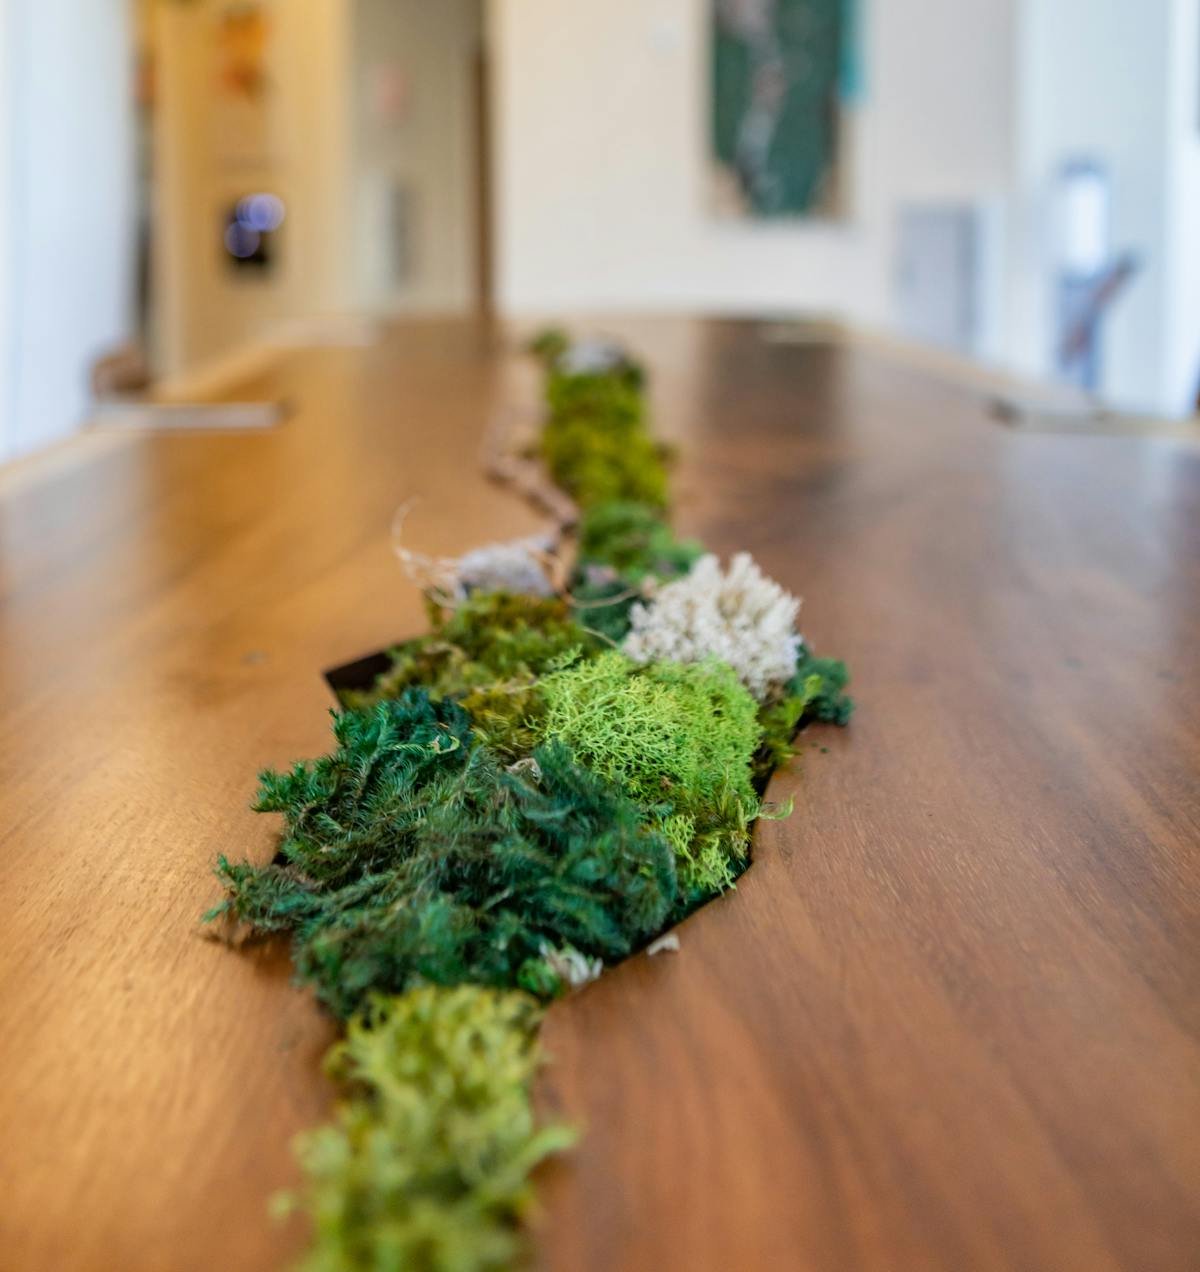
point(1182, 335)
point(427, 143)
point(601, 138)
point(1094, 83)
point(601, 168)
point(66, 231)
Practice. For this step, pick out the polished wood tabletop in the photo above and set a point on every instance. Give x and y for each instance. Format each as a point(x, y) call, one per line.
point(949, 1019)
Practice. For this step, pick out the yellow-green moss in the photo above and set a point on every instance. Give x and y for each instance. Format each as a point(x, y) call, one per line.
point(677, 739)
point(426, 1165)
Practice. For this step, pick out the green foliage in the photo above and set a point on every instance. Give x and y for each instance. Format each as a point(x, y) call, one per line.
point(487, 653)
point(596, 461)
point(678, 739)
point(426, 1166)
point(815, 692)
point(620, 545)
point(634, 540)
point(508, 805)
point(549, 345)
point(823, 681)
point(411, 855)
point(603, 602)
point(595, 442)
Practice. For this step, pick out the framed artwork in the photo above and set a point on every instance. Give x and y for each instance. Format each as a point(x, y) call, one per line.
point(780, 70)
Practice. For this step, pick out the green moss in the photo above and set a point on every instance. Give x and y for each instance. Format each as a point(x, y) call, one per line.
point(603, 603)
point(426, 1165)
point(413, 855)
point(634, 540)
point(678, 739)
point(487, 653)
point(597, 460)
point(822, 681)
point(595, 442)
point(508, 805)
point(549, 344)
point(621, 544)
point(613, 398)
point(815, 692)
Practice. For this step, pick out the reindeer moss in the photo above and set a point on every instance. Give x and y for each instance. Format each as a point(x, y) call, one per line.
point(677, 739)
point(426, 1164)
point(412, 854)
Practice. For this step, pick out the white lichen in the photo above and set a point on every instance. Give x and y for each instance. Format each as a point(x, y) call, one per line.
point(741, 617)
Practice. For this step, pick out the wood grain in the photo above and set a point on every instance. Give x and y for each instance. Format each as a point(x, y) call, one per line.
point(950, 1018)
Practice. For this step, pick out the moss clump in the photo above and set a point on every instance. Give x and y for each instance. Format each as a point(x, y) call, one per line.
point(413, 855)
point(486, 653)
point(426, 1166)
point(815, 692)
point(678, 739)
point(822, 681)
point(595, 462)
point(507, 807)
point(595, 442)
point(635, 540)
point(549, 344)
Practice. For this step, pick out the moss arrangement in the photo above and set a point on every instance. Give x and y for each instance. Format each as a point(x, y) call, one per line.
point(517, 802)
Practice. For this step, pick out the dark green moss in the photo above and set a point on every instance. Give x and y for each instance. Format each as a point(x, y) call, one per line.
point(413, 855)
point(823, 681)
point(621, 545)
point(634, 540)
point(815, 693)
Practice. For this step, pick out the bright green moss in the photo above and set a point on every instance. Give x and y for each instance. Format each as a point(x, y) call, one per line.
point(612, 398)
point(595, 442)
point(426, 1165)
point(678, 739)
point(413, 855)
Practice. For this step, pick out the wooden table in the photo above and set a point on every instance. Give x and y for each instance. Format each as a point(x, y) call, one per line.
point(948, 1021)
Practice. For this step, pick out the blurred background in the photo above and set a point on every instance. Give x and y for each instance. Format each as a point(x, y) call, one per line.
point(188, 187)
